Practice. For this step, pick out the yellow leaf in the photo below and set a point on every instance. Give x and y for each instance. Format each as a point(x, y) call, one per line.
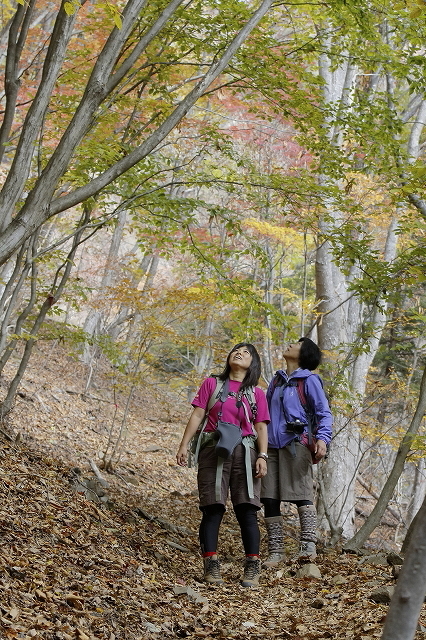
point(118, 21)
point(285, 235)
point(69, 8)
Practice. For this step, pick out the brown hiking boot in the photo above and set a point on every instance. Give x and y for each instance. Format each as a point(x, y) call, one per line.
point(212, 570)
point(251, 573)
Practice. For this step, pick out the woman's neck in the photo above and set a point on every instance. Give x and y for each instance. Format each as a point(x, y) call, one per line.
point(291, 366)
point(237, 375)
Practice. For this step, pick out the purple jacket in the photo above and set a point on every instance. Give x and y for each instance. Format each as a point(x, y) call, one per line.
point(284, 406)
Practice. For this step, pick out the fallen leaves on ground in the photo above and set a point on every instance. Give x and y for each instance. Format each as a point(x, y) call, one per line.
point(127, 567)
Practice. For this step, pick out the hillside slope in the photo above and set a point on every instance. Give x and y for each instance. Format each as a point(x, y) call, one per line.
point(124, 565)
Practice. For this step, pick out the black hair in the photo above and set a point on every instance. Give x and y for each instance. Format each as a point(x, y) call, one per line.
point(253, 372)
point(310, 354)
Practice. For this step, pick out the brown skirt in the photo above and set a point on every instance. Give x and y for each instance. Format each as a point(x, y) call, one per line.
point(234, 478)
point(289, 478)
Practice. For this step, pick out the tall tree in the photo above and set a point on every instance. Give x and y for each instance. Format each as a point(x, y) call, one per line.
point(125, 48)
point(408, 598)
point(352, 272)
point(373, 519)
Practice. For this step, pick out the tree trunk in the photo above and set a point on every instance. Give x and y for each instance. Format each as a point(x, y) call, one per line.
point(337, 473)
point(407, 600)
point(95, 319)
point(132, 334)
point(204, 355)
point(375, 516)
point(52, 298)
point(419, 490)
point(343, 318)
point(409, 533)
point(268, 368)
point(40, 205)
point(31, 263)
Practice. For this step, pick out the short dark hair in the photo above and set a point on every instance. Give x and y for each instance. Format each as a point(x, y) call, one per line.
point(310, 354)
point(253, 372)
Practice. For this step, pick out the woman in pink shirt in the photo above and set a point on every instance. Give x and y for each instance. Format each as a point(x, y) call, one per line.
point(240, 402)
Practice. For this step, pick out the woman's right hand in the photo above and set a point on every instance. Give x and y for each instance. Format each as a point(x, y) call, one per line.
point(182, 456)
point(194, 421)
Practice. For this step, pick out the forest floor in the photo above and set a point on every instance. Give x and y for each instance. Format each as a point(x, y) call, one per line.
point(125, 565)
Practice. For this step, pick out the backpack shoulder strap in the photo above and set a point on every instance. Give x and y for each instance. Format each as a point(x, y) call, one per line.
point(301, 392)
point(277, 380)
point(312, 425)
point(251, 398)
point(216, 393)
point(215, 397)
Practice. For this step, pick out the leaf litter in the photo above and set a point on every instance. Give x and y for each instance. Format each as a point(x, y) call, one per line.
point(128, 567)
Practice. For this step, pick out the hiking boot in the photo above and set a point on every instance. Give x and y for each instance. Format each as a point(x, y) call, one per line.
point(308, 531)
point(251, 573)
point(274, 560)
point(212, 570)
point(275, 531)
point(307, 550)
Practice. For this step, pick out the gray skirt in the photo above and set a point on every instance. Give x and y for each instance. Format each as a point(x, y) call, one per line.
point(289, 478)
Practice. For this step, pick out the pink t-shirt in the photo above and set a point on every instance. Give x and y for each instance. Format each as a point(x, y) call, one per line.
point(230, 412)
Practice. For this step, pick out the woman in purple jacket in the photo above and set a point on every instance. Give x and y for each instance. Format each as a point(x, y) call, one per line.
point(295, 409)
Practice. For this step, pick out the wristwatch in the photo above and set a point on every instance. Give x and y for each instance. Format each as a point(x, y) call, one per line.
point(263, 455)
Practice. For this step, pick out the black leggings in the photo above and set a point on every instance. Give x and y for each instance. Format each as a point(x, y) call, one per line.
point(209, 527)
point(272, 506)
point(246, 515)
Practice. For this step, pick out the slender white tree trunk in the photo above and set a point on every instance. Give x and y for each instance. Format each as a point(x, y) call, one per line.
point(268, 368)
point(343, 316)
point(95, 319)
point(204, 356)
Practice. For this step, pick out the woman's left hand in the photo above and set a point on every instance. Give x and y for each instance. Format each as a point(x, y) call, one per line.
point(320, 449)
point(261, 468)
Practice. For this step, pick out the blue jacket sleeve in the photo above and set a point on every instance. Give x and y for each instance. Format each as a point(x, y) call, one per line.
point(317, 400)
point(270, 391)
